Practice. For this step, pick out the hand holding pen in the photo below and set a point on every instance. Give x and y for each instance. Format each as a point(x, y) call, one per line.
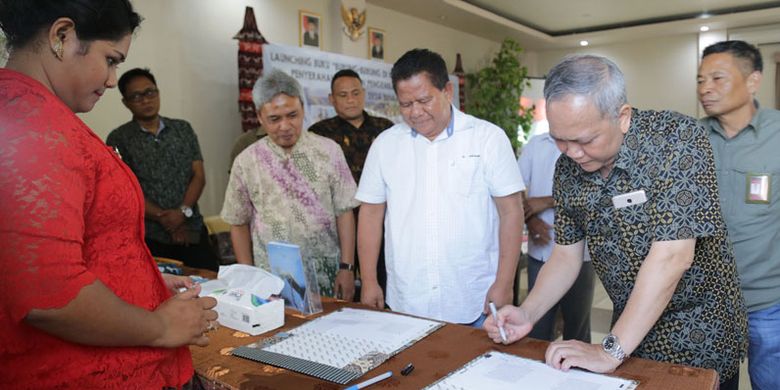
point(508, 324)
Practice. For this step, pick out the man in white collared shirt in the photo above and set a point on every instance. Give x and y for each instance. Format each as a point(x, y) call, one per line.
point(447, 187)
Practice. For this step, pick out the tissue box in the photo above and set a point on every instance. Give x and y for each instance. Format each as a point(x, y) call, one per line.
point(247, 312)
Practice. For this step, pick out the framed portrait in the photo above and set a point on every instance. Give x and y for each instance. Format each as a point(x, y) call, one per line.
point(309, 30)
point(376, 43)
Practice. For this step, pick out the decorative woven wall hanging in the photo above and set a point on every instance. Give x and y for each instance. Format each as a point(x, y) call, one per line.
point(250, 67)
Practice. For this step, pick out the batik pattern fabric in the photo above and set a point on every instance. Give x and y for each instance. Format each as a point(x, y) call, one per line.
point(162, 163)
point(668, 155)
point(354, 141)
point(293, 197)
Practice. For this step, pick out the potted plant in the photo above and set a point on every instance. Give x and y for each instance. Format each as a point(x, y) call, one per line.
point(494, 92)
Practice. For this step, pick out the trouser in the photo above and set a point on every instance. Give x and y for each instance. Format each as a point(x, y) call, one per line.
point(478, 322)
point(730, 383)
point(575, 305)
point(200, 255)
point(764, 348)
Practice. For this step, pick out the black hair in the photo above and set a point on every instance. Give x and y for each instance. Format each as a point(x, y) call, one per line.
point(417, 61)
point(131, 74)
point(740, 50)
point(344, 73)
point(22, 20)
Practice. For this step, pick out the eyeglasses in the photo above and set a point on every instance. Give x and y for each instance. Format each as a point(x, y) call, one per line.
point(136, 97)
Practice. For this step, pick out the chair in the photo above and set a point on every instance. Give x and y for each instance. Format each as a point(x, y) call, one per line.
point(219, 234)
point(215, 225)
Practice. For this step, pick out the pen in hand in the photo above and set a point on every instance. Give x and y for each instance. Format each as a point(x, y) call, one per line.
point(495, 317)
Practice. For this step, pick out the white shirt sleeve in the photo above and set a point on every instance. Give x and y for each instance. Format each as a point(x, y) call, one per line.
point(525, 163)
point(372, 188)
point(502, 173)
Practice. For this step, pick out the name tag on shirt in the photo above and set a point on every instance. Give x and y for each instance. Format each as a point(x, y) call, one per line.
point(758, 188)
point(629, 199)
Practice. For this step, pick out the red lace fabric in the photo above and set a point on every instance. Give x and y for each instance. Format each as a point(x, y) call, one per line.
point(70, 212)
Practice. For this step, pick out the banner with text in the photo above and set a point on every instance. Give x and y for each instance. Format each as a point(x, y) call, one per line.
point(314, 69)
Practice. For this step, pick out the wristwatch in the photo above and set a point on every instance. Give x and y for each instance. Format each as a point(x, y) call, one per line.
point(611, 345)
point(348, 267)
point(186, 210)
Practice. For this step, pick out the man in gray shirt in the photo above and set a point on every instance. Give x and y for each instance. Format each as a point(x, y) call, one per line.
point(745, 141)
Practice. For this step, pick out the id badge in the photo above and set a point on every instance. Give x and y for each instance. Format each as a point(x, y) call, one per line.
point(759, 186)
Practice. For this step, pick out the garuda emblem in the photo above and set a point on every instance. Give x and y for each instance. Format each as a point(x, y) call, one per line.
point(354, 21)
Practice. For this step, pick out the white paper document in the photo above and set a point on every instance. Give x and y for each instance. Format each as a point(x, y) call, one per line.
point(344, 336)
point(499, 371)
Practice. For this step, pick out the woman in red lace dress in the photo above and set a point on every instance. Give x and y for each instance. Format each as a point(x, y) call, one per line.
point(82, 304)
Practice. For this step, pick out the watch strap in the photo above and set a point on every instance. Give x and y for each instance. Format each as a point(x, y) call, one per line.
point(348, 267)
point(186, 210)
point(611, 345)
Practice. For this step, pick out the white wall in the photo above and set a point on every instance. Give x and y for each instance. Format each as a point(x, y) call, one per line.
point(766, 92)
point(767, 38)
point(188, 46)
point(660, 73)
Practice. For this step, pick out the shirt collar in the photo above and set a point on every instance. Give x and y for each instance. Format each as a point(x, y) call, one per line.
point(159, 131)
point(712, 124)
point(627, 154)
point(303, 139)
point(546, 137)
point(450, 127)
point(346, 122)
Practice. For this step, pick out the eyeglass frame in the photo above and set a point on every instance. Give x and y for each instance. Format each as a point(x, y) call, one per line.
point(137, 97)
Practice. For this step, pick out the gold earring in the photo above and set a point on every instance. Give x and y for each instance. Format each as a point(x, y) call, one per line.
point(57, 49)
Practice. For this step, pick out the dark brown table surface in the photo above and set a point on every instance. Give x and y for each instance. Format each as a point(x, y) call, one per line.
point(433, 357)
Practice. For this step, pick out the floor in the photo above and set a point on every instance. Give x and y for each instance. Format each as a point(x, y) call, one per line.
point(601, 317)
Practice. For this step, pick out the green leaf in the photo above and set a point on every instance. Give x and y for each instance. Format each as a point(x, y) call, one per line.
point(493, 92)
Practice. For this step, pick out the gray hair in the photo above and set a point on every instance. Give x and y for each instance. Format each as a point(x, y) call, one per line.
point(273, 83)
point(591, 76)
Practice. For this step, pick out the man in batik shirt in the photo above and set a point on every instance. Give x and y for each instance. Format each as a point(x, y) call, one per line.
point(640, 188)
point(293, 186)
point(354, 130)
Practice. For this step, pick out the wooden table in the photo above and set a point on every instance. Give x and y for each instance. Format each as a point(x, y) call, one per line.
point(433, 357)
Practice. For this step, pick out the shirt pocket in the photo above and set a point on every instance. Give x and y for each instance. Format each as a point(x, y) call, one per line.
point(633, 227)
point(465, 176)
point(737, 191)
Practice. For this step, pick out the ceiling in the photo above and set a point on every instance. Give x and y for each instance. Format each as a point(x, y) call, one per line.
point(554, 24)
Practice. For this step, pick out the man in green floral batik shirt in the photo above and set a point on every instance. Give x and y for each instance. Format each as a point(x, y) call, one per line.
point(293, 186)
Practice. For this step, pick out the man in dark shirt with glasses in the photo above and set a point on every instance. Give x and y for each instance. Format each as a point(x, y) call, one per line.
point(165, 156)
